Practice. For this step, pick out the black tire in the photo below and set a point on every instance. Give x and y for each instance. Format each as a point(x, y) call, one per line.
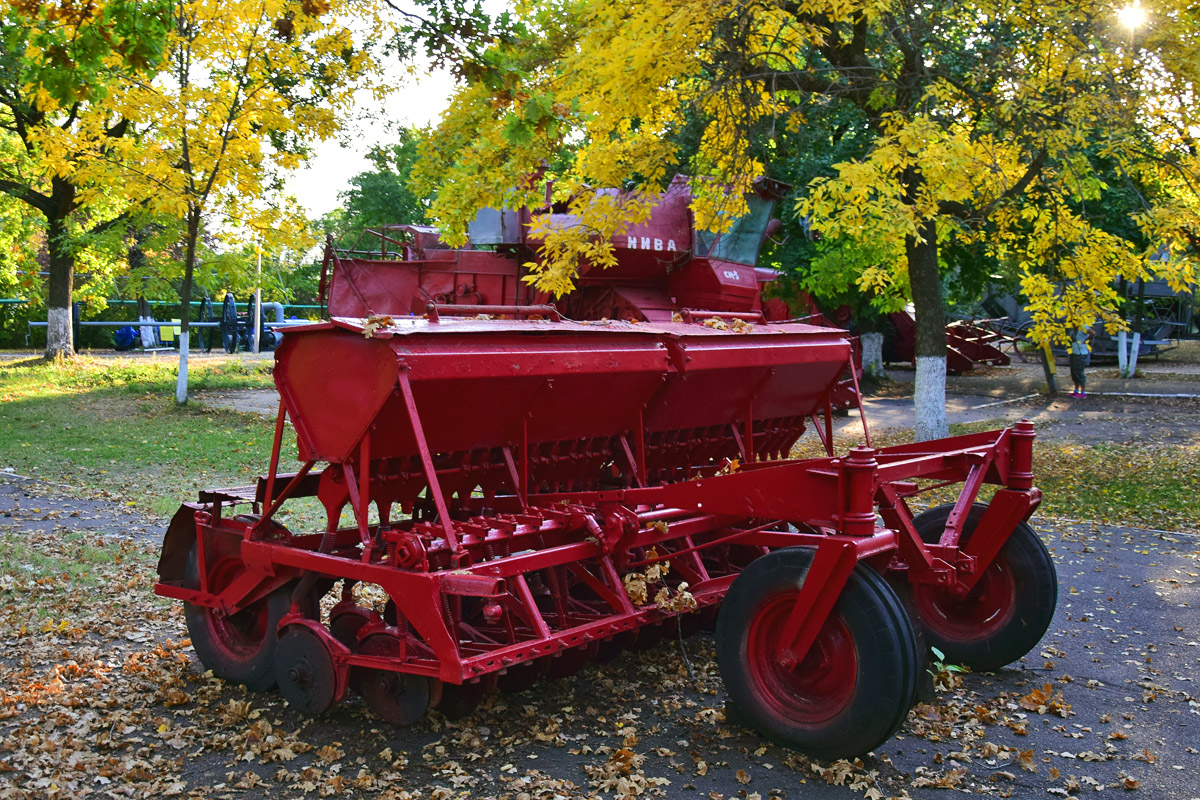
point(239, 648)
point(1023, 347)
point(229, 324)
point(853, 689)
point(1008, 611)
point(926, 688)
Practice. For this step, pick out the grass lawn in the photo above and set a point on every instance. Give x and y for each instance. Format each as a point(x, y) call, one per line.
point(111, 427)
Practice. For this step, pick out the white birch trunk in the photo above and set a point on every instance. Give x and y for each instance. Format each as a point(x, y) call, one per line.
point(1134, 347)
point(147, 333)
point(929, 399)
point(872, 354)
point(59, 342)
point(181, 385)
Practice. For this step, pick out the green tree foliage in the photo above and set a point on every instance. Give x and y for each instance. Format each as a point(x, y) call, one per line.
point(983, 125)
point(251, 84)
point(382, 195)
point(60, 63)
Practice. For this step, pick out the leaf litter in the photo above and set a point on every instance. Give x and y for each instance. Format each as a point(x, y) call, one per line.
point(100, 696)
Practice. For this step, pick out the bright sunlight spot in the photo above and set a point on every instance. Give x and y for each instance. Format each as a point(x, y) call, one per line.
point(1132, 16)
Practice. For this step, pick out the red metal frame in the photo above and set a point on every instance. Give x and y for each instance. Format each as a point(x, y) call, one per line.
point(528, 549)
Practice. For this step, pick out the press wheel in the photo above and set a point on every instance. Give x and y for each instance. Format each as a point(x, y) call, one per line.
point(609, 650)
point(647, 638)
point(394, 697)
point(854, 686)
point(461, 700)
point(521, 677)
point(305, 670)
point(1007, 611)
point(346, 623)
point(567, 663)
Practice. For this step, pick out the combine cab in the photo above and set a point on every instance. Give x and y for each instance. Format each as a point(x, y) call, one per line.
point(526, 493)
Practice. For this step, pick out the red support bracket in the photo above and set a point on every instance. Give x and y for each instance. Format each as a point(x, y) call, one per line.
point(922, 566)
point(280, 416)
point(254, 531)
point(966, 498)
point(858, 395)
point(831, 567)
point(1008, 508)
point(514, 476)
point(361, 505)
point(632, 459)
point(434, 487)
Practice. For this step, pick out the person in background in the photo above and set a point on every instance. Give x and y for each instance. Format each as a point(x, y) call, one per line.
point(1080, 356)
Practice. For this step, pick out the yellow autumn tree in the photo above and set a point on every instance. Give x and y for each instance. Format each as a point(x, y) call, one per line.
point(250, 86)
point(993, 123)
point(60, 64)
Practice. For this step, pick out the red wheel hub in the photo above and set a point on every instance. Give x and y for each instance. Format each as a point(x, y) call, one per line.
point(243, 633)
point(977, 616)
point(816, 689)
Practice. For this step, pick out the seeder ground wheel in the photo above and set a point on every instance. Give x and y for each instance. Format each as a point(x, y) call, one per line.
point(1006, 613)
point(646, 638)
point(609, 650)
point(521, 677)
point(566, 663)
point(461, 700)
point(239, 647)
point(305, 671)
point(344, 624)
point(854, 687)
point(394, 697)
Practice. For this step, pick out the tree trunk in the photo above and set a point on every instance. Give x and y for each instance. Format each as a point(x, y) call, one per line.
point(872, 353)
point(185, 296)
point(59, 339)
point(929, 397)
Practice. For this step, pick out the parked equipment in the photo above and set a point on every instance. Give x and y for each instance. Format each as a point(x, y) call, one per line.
point(237, 330)
point(528, 493)
point(968, 344)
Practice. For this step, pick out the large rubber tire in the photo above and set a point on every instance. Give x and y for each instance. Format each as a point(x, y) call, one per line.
point(239, 648)
point(1008, 611)
point(855, 686)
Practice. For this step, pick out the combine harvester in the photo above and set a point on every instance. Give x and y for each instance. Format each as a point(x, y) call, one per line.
point(529, 492)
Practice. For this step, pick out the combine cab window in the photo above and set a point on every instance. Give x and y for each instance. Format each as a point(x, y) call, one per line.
point(494, 227)
point(741, 243)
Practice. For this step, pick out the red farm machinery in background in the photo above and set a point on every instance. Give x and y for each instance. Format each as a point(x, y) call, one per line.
point(526, 490)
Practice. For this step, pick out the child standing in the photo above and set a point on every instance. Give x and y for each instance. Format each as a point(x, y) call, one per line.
point(1080, 349)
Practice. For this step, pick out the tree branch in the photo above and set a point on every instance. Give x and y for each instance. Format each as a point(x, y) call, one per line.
point(27, 195)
